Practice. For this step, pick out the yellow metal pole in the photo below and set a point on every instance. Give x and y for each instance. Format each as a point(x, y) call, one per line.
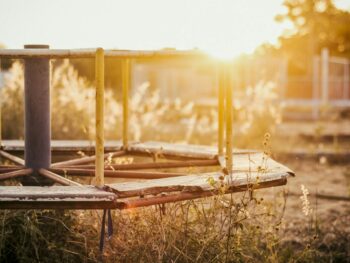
point(229, 118)
point(0, 111)
point(0, 119)
point(99, 139)
point(221, 108)
point(126, 84)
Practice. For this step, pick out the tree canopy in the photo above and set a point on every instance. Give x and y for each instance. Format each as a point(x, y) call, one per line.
point(317, 24)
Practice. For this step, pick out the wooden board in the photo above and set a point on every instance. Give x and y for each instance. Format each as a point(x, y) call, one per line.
point(54, 193)
point(250, 170)
point(63, 145)
point(181, 150)
point(152, 147)
point(192, 183)
point(55, 197)
point(255, 162)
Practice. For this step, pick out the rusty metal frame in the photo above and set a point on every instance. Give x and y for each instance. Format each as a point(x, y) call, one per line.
point(81, 166)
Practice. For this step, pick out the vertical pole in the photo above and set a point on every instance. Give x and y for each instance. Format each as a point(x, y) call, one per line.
point(125, 84)
point(0, 117)
point(1, 86)
point(346, 80)
point(221, 107)
point(325, 73)
point(229, 118)
point(315, 88)
point(99, 140)
point(37, 113)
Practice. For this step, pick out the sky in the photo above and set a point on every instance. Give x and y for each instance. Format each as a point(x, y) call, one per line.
point(221, 27)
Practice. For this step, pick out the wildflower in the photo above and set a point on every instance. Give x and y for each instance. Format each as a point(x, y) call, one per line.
point(305, 201)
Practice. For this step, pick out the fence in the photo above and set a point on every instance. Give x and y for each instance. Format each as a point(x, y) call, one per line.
point(328, 86)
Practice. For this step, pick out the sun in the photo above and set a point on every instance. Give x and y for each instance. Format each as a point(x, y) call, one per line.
point(221, 54)
point(226, 52)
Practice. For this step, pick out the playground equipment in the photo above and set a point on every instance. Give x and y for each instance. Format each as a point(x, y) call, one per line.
point(237, 170)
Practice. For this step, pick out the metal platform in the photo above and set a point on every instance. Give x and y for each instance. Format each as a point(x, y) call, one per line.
point(251, 170)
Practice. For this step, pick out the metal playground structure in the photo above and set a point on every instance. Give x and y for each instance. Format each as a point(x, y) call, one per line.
point(237, 170)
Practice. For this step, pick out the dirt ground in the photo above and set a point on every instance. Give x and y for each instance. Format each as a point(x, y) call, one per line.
point(332, 216)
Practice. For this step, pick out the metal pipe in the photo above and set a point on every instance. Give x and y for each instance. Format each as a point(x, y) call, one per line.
point(229, 119)
point(115, 174)
point(126, 84)
point(221, 109)
point(90, 53)
point(14, 174)
point(99, 139)
point(37, 114)
point(139, 166)
point(58, 179)
point(12, 158)
point(0, 118)
point(87, 159)
point(10, 169)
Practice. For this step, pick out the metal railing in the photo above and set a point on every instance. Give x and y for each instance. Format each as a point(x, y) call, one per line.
point(224, 83)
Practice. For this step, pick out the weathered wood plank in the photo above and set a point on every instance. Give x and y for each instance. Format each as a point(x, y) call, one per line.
point(70, 199)
point(248, 168)
point(181, 150)
point(182, 196)
point(193, 183)
point(54, 193)
point(78, 204)
point(64, 145)
point(254, 162)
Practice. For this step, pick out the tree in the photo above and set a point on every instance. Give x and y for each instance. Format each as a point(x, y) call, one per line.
point(317, 24)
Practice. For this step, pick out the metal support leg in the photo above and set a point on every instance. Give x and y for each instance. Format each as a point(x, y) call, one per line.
point(37, 114)
point(126, 84)
point(229, 119)
point(221, 108)
point(99, 172)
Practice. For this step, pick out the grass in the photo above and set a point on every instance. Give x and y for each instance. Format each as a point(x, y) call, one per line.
point(226, 228)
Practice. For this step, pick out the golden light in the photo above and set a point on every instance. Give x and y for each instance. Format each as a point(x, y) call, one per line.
point(224, 29)
point(222, 54)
